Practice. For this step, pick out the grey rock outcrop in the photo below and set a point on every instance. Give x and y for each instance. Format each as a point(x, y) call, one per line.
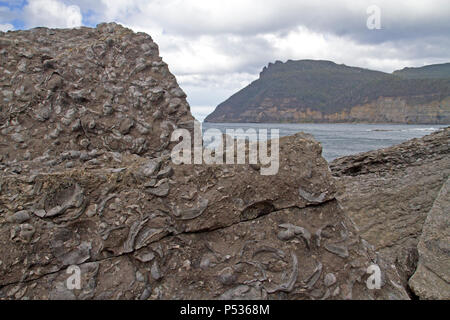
point(391, 195)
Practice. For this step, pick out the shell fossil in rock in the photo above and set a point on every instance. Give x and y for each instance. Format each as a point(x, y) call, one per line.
point(149, 235)
point(337, 249)
point(277, 252)
point(329, 279)
point(310, 197)
point(161, 189)
point(19, 217)
point(72, 198)
point(191, 213)
point(288, 286)
point(23, 233)
point(311, 281)
point(128, 246)
point(291, 231)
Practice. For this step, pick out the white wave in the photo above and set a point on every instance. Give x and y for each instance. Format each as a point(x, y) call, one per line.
point(420, 129)
point(405, 130)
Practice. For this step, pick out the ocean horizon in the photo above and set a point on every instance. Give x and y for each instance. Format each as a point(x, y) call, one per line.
point(338, 139)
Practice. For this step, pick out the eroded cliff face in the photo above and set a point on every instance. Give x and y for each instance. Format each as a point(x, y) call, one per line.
point(399, 110)
point(382, 110)
point(398, 198)
point(87, 181)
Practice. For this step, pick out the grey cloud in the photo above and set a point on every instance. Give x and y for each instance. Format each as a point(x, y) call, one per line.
point(344, 18)
point(252, 52)
point(401, 20)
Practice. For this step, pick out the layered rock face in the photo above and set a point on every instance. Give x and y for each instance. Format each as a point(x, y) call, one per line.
point(381, 110)
point(87, 183)
point(397, 198)
point(398, 110)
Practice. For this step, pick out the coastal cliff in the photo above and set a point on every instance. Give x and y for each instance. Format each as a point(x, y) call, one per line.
point(324, 92)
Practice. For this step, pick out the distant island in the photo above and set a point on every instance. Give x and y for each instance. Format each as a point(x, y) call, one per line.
point(318, 91)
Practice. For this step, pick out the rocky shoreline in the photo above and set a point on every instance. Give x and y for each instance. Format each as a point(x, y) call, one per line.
point(87, 183)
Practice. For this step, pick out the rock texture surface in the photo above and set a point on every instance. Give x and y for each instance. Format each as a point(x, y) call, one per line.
point(70, 95)
point(390, 193)
point(219, 232)
point(87, 180)
point(432, 277)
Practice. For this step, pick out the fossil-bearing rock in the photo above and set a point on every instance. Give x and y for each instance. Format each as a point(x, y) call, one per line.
point(86, 180)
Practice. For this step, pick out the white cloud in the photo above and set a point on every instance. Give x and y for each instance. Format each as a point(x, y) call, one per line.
point(209, 17)
point(301, 43)
point(6, 27)
point(52, 14)
point(204, 36)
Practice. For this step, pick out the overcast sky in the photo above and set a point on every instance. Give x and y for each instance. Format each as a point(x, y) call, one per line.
point(217, 47)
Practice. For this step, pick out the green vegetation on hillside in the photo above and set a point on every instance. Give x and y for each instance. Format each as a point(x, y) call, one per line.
point(434, 71)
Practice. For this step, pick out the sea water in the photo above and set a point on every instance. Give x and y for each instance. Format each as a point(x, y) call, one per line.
point(340, 139)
